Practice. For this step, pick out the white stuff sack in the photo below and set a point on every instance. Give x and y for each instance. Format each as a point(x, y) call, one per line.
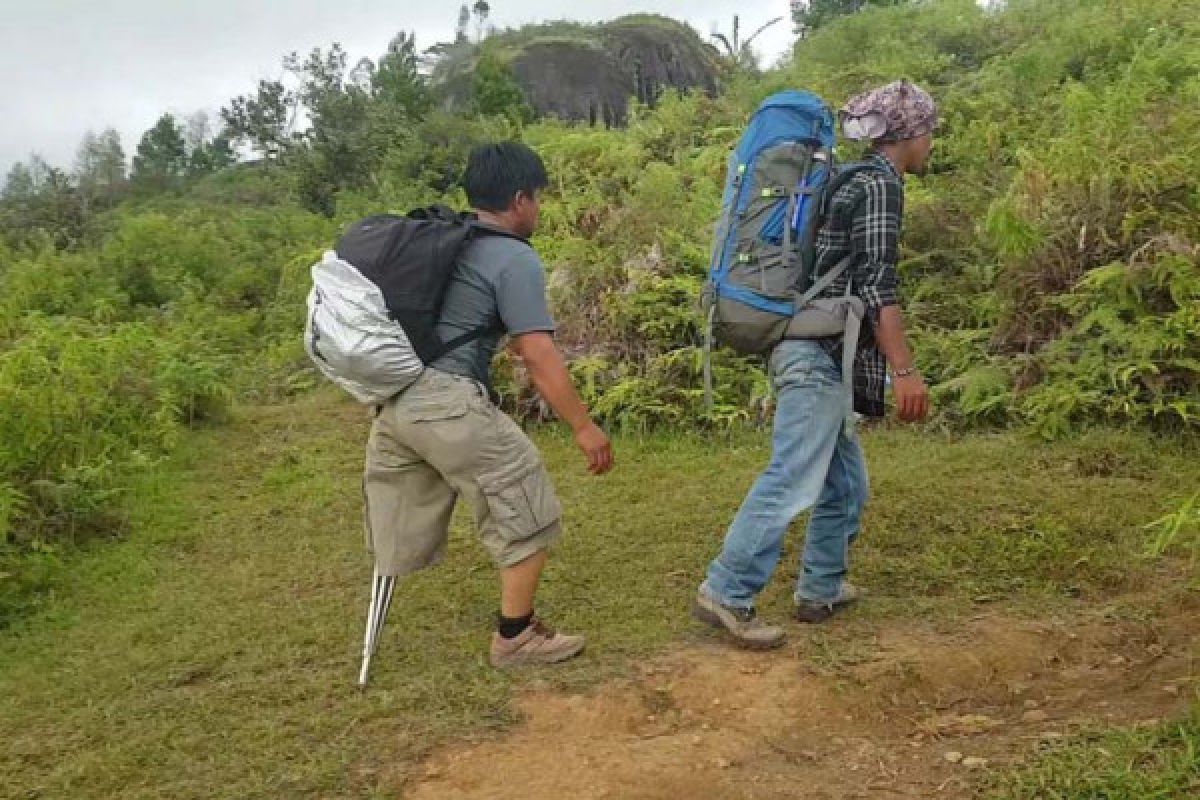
point(352, 339)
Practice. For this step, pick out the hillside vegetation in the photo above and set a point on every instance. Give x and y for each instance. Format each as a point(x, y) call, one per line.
point(1051, 266)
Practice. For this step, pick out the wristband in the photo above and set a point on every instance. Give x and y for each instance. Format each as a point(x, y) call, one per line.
point(904, 373)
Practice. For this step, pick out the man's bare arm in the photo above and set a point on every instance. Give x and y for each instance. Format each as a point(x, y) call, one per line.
point(548, 373)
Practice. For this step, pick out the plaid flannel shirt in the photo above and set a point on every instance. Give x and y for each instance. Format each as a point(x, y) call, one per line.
point(864, 220)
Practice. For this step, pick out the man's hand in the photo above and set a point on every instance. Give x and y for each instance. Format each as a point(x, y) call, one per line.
point(596, 448)
point(912, 397)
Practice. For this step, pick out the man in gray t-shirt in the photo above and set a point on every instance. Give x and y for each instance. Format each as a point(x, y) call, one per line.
point(499, 283)
point(443, 438)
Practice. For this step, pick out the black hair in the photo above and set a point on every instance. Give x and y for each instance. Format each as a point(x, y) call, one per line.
point(497, 171)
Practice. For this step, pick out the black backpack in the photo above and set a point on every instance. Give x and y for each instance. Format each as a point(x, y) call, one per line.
point(377, 296)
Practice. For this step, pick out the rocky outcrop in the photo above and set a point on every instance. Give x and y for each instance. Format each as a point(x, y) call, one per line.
point(657, 53)
point(591, 73)
point(573, 80)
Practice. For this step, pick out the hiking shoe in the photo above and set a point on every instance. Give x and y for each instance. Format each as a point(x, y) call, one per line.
point(537, 644)
point(814, 612)
point(742, 625)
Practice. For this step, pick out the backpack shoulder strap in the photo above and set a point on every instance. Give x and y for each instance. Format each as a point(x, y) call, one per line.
point(842, 175)
point(478, 229)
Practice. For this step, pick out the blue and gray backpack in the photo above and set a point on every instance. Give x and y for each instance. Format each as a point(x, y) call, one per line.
point(761, 287)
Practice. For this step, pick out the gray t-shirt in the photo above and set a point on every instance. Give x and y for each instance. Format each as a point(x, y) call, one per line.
point(498, 282)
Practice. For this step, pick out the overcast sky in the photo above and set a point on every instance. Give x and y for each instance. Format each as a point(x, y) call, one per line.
point(74, 65)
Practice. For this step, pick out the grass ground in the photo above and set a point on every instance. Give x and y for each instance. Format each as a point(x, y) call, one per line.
point(1162, 763)
point(212, 653)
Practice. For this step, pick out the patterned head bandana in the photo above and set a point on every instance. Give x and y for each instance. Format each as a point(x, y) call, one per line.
point(890, 113)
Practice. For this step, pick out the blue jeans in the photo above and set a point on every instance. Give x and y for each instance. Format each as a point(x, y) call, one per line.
point(816, 462)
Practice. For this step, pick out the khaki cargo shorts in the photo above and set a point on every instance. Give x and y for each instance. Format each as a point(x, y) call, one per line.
point(439, 439)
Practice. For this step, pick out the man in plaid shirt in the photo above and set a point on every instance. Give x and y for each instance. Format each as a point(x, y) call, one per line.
point(864, 220)
point(816, 460)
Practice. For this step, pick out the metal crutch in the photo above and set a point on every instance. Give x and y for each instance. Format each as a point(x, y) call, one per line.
point(381, 600)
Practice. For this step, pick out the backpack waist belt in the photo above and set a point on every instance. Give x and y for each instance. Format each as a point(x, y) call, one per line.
point(827, 317)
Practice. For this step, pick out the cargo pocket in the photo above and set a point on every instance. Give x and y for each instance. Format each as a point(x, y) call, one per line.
point(433, 411)
point(523, 505)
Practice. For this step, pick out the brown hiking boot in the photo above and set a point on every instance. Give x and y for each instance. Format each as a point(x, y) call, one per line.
point(742, 625)
point(814, 613)
point(537, 644)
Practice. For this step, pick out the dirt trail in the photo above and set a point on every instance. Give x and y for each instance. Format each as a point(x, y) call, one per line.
point(876, 721)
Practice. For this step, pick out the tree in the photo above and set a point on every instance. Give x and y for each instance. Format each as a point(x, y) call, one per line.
point(400, 95)
point(360, 77)
point(495, 91)
point(482, 9)
point(446, 59)
point(809, 15)
point(397, 82)
point(19, 184)
point(41, 202)
point(207, 150)
point(161, 157)
point(464, 22)
point(197, 130)
point(100, 167)
point(338, 153)
point(211, 156)
point(263, 120)
point(741, 54)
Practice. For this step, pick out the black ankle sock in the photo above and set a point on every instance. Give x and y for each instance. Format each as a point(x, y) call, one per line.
point(512, 627)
